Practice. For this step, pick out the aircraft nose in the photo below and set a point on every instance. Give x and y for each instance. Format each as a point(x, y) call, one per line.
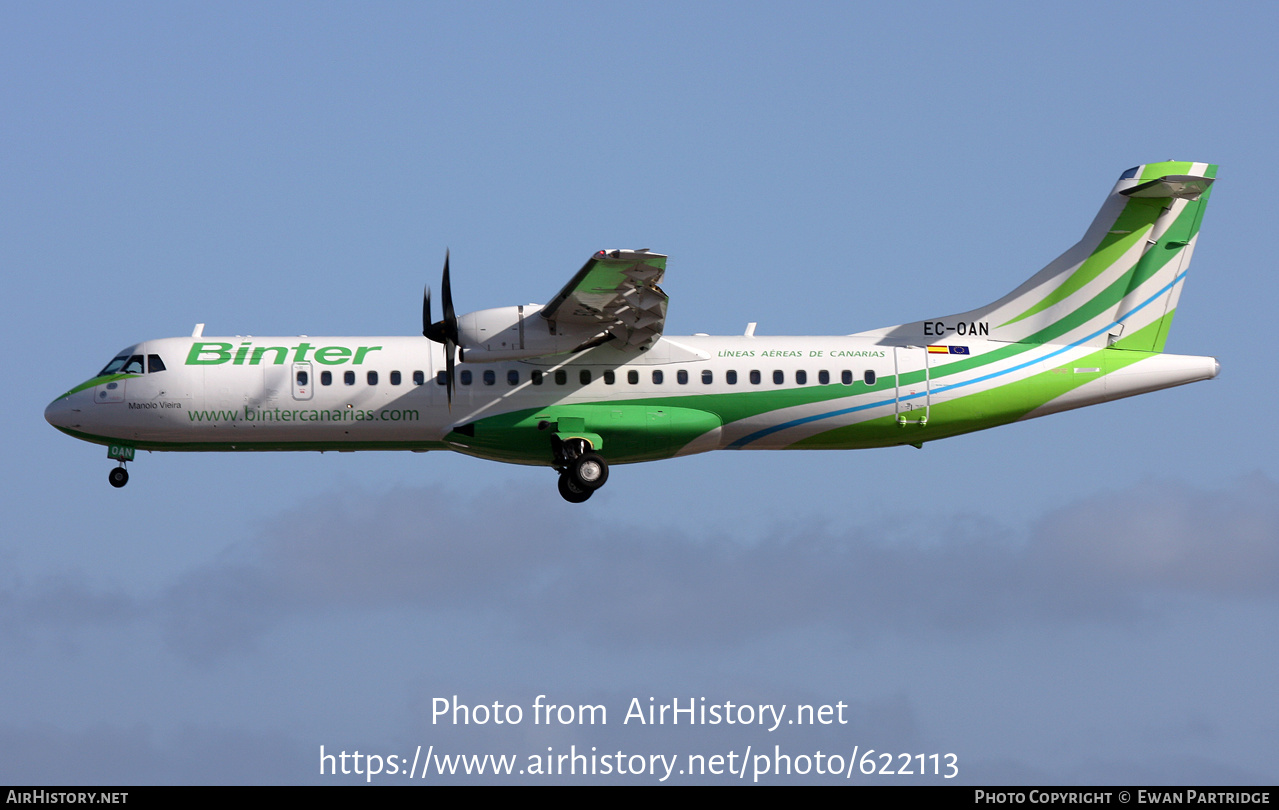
point(60, 413)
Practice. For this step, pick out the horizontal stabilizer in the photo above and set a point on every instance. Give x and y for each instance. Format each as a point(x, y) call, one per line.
point(1174, 186)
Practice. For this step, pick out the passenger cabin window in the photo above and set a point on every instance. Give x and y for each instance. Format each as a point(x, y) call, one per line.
point(466, 377)
point(584, 377)
point(490, 376)
point(801, 378)
point(561, 377)
point(536, 377)
point(372, 378)
point(303, 377)
point(419, 378)
point(755, 378)
point(609, 378)
point(708, 377)
point(326, 378)
point(681, 377)
point(395, 378)
point(779, 377)
point(823, 377)
point(632, 377)
point(154, 363)
point(846, 377)
point(348, 377)
point(513, 377)
point(657, 378)
point(730, 377)
point(868, 377)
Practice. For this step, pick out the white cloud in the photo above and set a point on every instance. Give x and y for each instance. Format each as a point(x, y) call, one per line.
point(623, 583)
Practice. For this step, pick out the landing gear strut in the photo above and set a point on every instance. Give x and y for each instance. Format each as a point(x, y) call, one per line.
point(582, 470)
point(118, 476)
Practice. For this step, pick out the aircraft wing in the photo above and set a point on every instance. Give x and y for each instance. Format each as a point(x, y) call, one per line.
point(615, 296)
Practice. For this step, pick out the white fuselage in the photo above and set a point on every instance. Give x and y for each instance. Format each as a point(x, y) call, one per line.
point(338, 393)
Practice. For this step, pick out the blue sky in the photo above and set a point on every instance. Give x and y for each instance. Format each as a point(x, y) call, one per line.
point(1085, 598)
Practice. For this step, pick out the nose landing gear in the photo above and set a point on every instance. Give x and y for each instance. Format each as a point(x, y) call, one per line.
point(118, 476)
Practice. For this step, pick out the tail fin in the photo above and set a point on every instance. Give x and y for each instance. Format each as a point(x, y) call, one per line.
point(1118, 286)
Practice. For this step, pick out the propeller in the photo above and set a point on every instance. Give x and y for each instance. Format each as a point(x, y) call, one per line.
point(443, 331)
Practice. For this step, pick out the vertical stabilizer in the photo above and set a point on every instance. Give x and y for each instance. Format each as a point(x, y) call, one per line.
point(1118, 286)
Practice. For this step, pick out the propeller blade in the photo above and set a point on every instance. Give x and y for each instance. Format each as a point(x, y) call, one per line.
point(443, 331)
point(450, 317)
point(426, 311)
point(449, 348)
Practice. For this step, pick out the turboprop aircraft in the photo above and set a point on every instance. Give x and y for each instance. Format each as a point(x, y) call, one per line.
point(589, 378)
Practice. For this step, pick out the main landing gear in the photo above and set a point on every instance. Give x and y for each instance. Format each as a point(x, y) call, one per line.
point(118, 476)
point(582, 470)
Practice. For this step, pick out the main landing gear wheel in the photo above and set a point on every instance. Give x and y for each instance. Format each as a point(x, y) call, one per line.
point(589, 471)
point(571, 491)
point(118, 477)
point(582, 470)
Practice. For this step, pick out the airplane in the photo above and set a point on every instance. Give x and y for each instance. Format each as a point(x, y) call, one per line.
point(589, 379)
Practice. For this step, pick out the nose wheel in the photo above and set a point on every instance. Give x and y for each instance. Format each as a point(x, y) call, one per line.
point(118, 476)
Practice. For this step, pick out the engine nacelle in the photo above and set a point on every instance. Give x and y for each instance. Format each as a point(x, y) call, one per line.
point(515, 333)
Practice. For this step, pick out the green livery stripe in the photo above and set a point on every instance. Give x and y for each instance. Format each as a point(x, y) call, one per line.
point(1133, 341)
point(1161, 335)
point(981, 409)
point(1154, 171)
point(1136, 219)
point(106, 378)
point(1169, 246)
point(1129, 228)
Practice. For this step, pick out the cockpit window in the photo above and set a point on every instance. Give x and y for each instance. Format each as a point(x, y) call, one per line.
point(114, 366)
point(132, 364)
